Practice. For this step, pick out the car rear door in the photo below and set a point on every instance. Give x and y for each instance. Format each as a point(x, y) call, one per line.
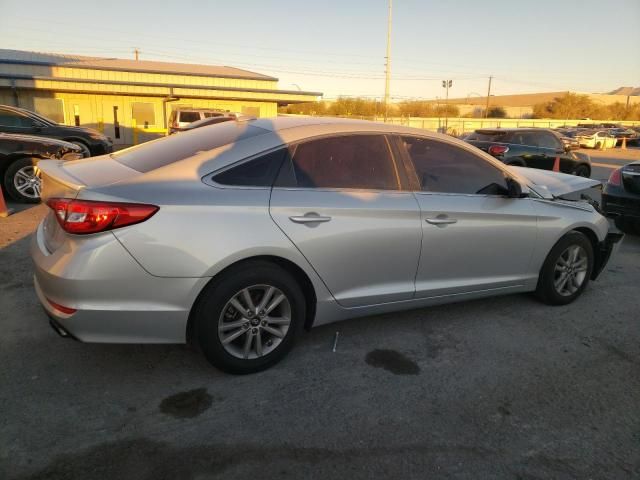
point(341, 201)
point(551, 147)
point(475, 237)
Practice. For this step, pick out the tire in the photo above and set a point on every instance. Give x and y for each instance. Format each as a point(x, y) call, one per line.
point(214, 309)
point(85, 149)
point(22, 180)
point(547, 290)
point(598, 146)
point(582, 171)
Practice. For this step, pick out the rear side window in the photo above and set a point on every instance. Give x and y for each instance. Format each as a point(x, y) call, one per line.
point(446, 168)
point(488, 136)
point(159, 153)
point(353, 161)
point(258, 172)
point(189, 116)
point(549, 140)
point(212, 114)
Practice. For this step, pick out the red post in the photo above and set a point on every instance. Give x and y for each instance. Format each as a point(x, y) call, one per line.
point(556, 165)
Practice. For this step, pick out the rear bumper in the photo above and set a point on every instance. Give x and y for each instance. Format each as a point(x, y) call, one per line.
point(620, 204)
point(115, 300)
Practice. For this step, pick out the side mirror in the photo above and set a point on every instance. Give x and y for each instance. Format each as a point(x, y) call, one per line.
point(515, 189)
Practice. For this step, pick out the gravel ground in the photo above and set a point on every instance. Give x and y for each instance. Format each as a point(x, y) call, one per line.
point(498, 388)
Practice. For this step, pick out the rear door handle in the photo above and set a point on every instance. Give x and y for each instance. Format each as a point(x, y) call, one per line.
point(441, 220)
point(310, 217)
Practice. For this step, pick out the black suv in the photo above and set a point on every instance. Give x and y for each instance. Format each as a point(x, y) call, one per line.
point(531, 147)
point(21, 121)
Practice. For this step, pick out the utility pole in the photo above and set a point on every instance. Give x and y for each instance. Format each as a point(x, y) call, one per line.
point(136, 52)
point(387, 73)
point(486, 110)
point(446, 84)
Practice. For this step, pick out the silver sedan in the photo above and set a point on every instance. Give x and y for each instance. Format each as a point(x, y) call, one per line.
point(239, 235)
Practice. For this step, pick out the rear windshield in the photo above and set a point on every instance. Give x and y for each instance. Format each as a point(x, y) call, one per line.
point(485, 136)
point(162, 152)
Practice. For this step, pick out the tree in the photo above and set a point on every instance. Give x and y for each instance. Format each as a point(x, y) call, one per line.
point(497, 112)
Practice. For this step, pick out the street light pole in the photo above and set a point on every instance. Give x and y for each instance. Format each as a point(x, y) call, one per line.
point(446, 84)
point(387, 71)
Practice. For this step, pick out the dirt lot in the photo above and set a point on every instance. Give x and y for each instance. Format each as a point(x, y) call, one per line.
point(498, 388)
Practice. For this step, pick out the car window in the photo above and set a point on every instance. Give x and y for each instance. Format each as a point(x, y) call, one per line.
point(446, 168)
point(487, 136)
point(258, 172)
point(350, 161)
point(13, 119)
point(548, 140)
point(189, 116)
point(159, 153)
point(212, 114)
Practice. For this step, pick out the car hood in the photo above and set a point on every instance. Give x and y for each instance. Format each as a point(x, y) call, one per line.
point(553, 184)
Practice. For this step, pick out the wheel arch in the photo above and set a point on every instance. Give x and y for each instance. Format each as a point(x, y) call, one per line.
point(295, 270)
point(595, 244)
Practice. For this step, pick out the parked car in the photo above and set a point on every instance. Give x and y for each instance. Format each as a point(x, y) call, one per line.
point(619, 133)
point(621, 197)
point(182, 117)
point(596, 139)
point(238, 235)
point(206, 121)
point(19, 157)
point(21, 121)
point(530, 147)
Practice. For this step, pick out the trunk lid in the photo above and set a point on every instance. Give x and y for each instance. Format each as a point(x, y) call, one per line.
point(62, 179)
point(553, 184)
point(631, 177)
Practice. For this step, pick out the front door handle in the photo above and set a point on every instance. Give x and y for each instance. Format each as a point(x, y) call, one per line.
point(441, 220)
point(311, 217)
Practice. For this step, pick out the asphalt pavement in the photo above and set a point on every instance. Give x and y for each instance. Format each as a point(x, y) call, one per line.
point(498, 388)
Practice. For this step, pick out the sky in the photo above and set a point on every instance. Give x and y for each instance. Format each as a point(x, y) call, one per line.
point(338, 47)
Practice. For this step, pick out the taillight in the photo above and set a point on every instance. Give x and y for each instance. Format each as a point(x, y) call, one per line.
point(498, 149)
point(86, 216)
point(616, 177)
point(61, 308)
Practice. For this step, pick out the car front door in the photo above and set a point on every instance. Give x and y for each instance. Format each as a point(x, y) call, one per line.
point(475, 237)
point(342, 201)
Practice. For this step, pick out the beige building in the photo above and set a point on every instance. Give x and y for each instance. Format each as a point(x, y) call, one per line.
point(116, 96)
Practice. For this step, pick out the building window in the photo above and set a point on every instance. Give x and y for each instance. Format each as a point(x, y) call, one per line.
point(143, 114)
point(52, 108)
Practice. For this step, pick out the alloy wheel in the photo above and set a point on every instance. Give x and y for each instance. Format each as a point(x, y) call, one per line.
point(254, 321)
point(570, 270)
point(27, 181)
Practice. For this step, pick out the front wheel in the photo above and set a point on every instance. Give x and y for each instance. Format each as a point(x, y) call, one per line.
point(247, 319)
point(566, 271)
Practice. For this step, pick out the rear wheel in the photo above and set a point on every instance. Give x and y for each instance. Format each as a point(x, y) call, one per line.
point(582, 171)
point(566, 271)
point(248, 318)
point(85, 150)
point(22, 180)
